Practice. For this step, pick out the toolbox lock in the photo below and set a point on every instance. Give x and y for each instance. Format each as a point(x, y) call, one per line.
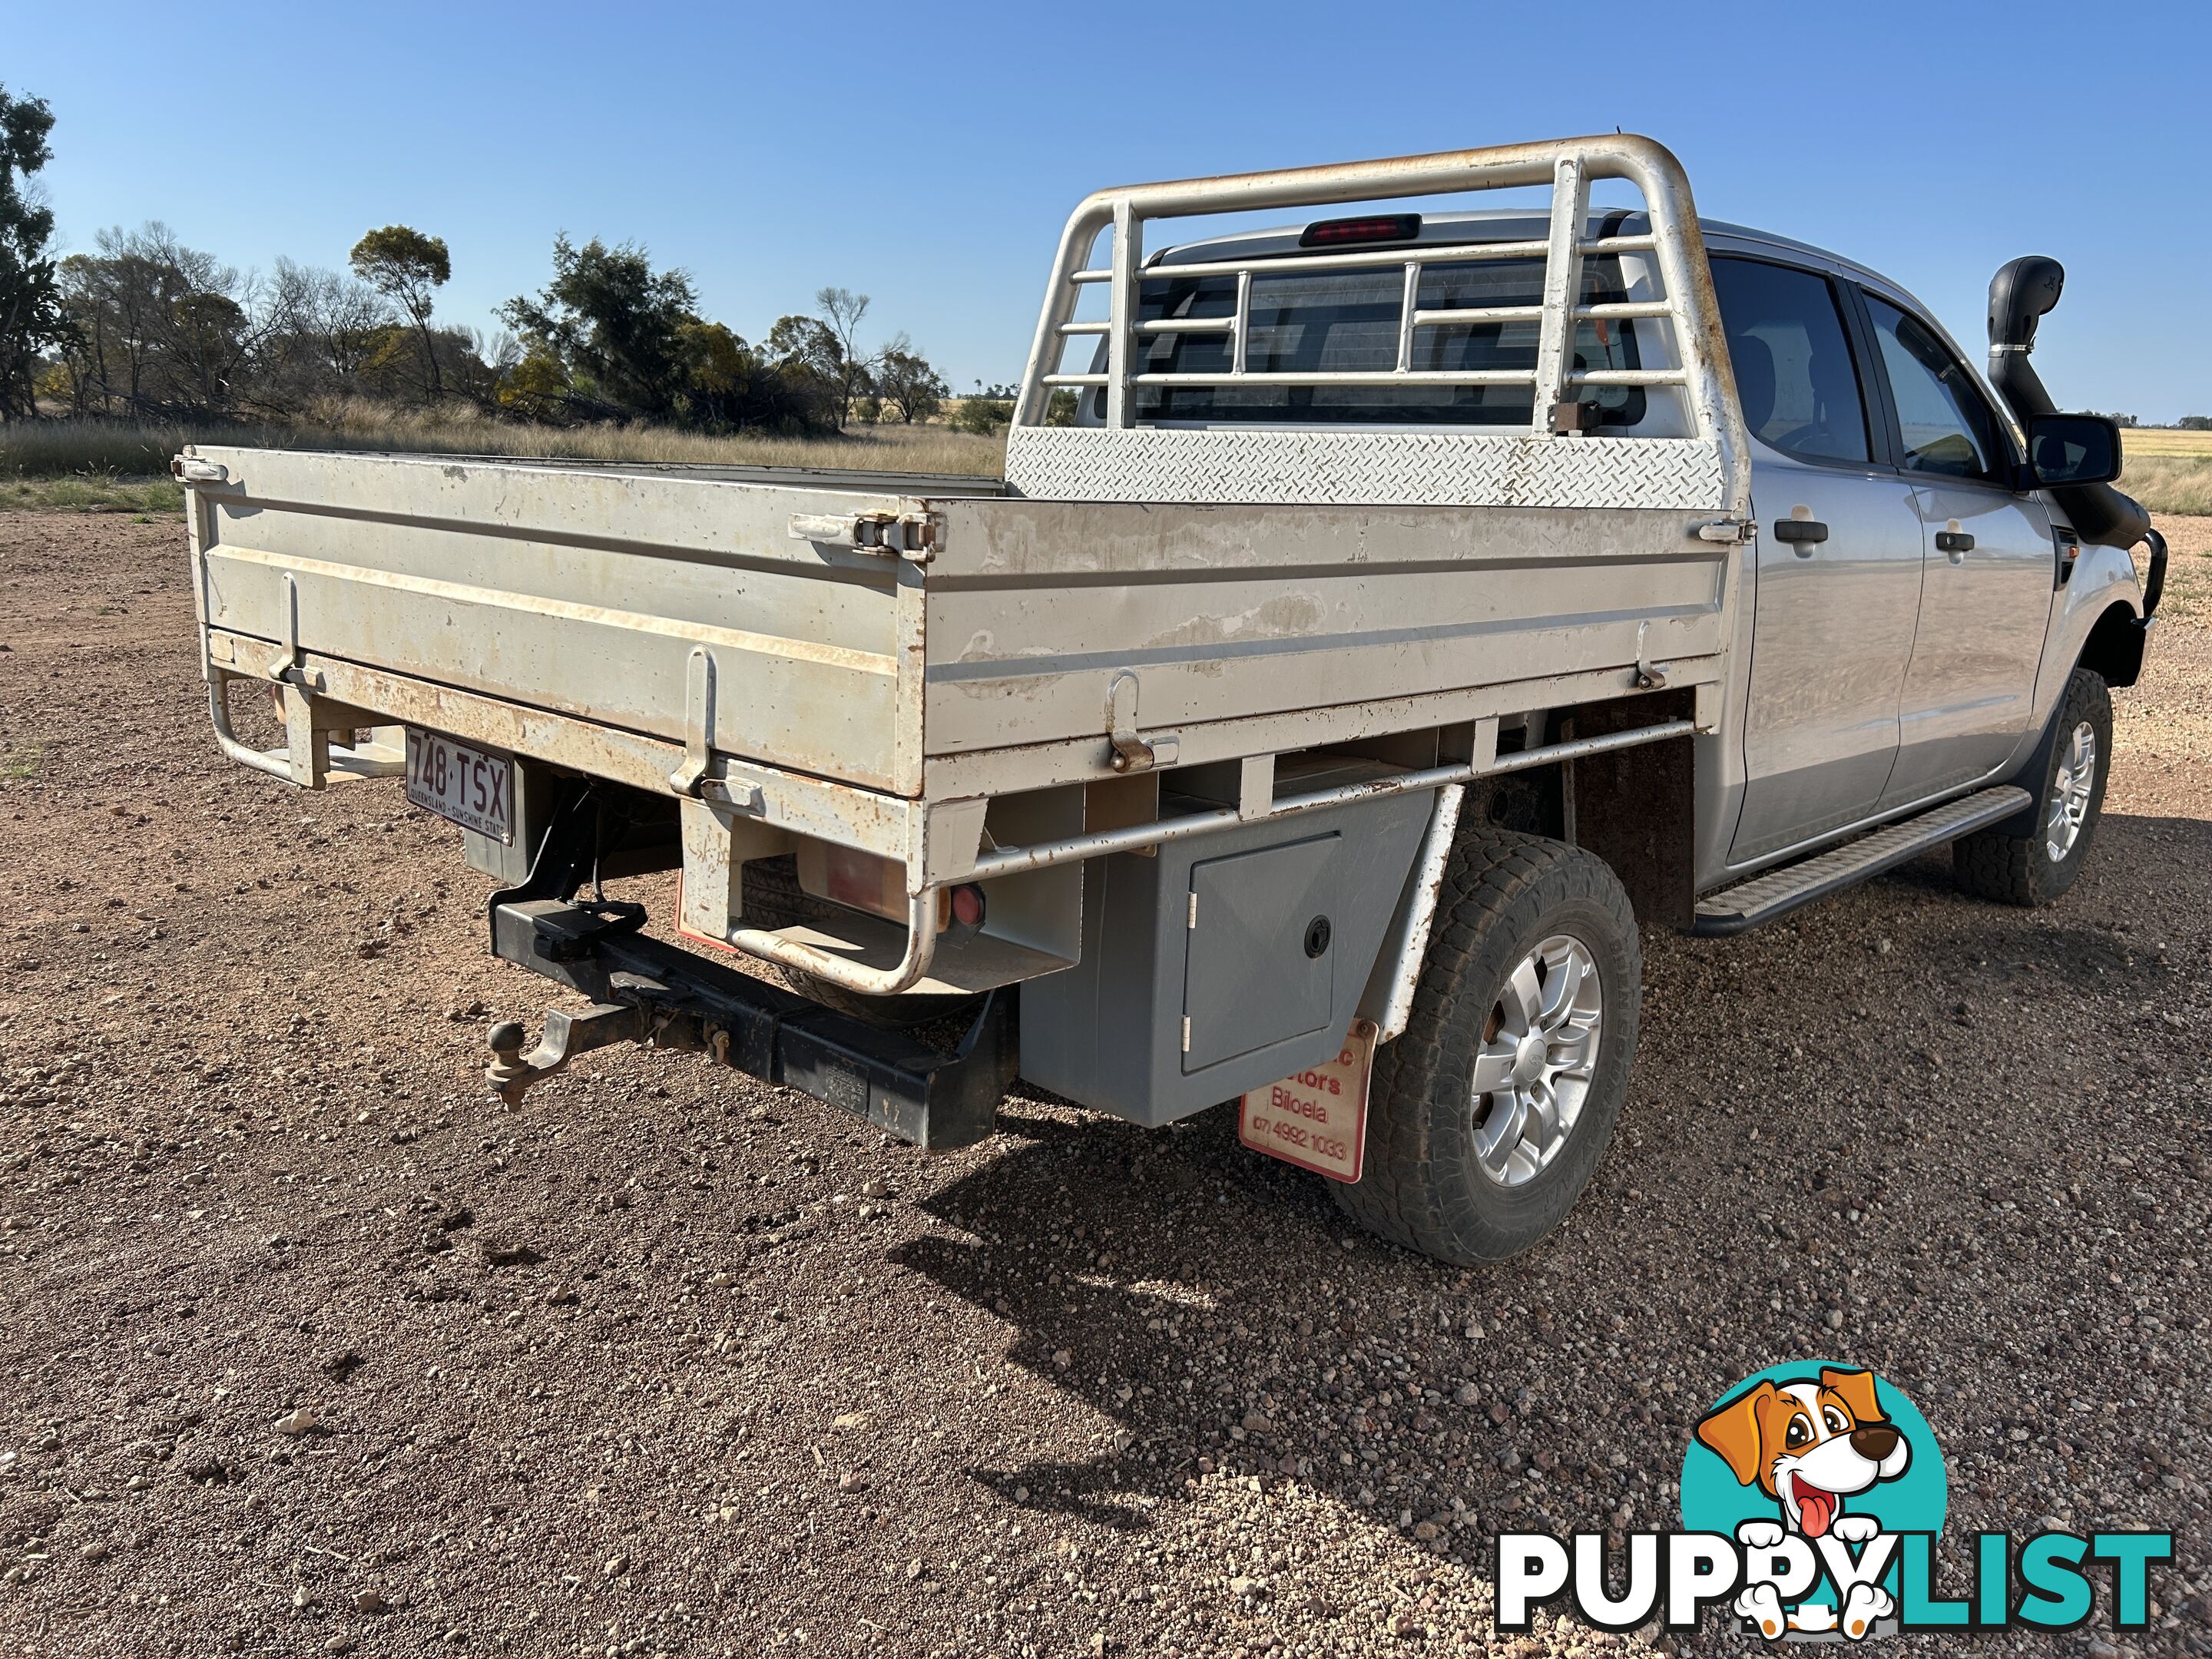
point(1317, 932)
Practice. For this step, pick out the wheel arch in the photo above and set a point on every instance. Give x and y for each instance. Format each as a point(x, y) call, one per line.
point(1636, 808)
point(1503, 892)
point(2114, 649)
point(2036, 766)
point(2005, 861)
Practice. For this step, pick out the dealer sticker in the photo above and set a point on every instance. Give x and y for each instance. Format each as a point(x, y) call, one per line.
point(1318, 1119)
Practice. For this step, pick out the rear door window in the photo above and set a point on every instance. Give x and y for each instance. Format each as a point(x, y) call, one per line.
point(1795, 374)
point(1346, 321)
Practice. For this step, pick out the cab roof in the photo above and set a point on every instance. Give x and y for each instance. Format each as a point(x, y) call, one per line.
point(1507, 225)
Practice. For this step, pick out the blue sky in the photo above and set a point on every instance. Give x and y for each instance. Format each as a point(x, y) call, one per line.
point(927, 155)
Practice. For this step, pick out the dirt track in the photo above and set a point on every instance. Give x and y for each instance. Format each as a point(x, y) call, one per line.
point(668, 1362)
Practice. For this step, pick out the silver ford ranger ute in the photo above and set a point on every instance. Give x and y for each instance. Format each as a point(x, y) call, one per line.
point(1381, 619)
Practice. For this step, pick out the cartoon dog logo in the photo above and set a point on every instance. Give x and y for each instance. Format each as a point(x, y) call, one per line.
point(1809, 1446)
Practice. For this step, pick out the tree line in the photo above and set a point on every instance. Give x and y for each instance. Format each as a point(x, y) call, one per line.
point(147, 327)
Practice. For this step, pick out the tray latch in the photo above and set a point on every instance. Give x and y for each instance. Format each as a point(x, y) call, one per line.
point(1132, 753)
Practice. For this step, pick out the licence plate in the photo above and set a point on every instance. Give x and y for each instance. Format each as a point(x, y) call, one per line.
point(1318, 1119)
point(474, 788)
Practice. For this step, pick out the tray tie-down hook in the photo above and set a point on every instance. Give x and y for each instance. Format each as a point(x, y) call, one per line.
point(1132, 753)
point(1649, 676)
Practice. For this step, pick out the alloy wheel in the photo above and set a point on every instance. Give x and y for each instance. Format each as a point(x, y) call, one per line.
point(2069, 793)
point(1538, 1053)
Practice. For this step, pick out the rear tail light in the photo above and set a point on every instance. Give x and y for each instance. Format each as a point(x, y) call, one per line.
point(1375, 227)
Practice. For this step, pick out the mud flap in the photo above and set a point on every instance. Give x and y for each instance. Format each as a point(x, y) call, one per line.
point(1318, 1119)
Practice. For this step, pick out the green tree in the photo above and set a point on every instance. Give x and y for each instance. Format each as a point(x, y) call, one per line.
point(905, 376)
point(30, 300)
point(725, 383)
point(615, 324)
point(810, 363)
point(405, 265)
point(984, 410)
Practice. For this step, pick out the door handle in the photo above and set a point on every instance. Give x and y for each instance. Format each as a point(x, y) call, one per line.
point(1956, 542)
point(1801, 534)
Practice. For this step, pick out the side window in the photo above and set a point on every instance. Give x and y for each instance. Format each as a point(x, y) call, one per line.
point(1947, 425)
point(1794, 371)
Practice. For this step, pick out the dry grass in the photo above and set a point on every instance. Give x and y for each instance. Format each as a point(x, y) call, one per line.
point(2137, 441)
point(102, 465)
point(64, 449)
point(2171, 484)
point(2167, 471)
point(95, 492)
point(2189, 569)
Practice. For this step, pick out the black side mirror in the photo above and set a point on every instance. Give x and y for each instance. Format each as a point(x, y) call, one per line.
point(2065, 450)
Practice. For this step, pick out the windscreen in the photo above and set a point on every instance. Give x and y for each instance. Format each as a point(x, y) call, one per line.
point(1346, 321)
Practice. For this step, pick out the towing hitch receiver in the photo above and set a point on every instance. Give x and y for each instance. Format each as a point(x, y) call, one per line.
point(642, 990)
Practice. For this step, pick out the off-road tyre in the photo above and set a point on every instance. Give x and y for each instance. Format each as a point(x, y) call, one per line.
point(773, 898)
point(1422, 1185)
point(2019, 869)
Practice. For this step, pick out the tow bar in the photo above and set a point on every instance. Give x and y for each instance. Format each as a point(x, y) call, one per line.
point(642, 990)
point(645, 991)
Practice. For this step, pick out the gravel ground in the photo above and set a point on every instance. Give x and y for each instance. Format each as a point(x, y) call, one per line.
point(305, 1347)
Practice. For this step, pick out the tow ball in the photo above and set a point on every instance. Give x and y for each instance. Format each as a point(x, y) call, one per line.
point(566, 1035)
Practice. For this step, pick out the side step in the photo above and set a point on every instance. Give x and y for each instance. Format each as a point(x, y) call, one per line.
point(1749, 904)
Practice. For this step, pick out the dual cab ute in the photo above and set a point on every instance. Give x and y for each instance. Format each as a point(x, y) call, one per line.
point(1382, 616)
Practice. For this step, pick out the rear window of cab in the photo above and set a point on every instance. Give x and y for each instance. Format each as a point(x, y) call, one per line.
point(1306, 321)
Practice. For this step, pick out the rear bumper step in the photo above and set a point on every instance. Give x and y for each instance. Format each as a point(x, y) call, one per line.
point(1751, 903)
point(648, 991)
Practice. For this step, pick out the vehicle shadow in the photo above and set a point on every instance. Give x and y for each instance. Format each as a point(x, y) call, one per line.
point(1215, 1309)
point(1226, 1322)
point(2105, 933)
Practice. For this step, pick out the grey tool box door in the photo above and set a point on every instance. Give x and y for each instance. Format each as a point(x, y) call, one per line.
point(1249, 981)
